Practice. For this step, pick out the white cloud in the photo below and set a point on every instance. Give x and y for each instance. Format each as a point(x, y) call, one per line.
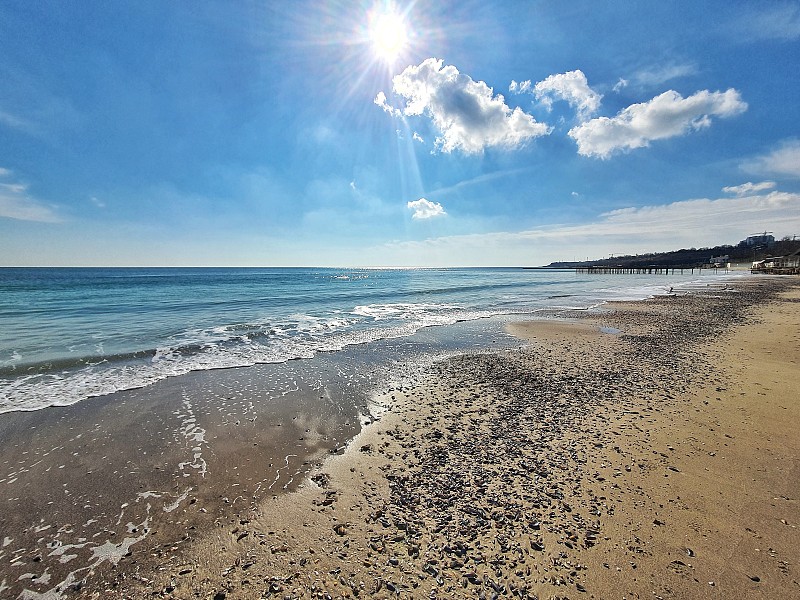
point(380, 100)
point(466, 112)
point(665, 116)
point(519, 88)
point(418, 138)
point(480, 180)
point(425, 209)
point(16, 203)
point(681, 224)
point(697, 216)
point(781, 21)
point(784, 160)
point(15, 122)
point(571, 86)
point(622, 83)
point(657, 75)
point(5, 172)
point(749, 187)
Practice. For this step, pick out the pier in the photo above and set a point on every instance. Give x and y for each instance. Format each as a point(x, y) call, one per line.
point(651, 270)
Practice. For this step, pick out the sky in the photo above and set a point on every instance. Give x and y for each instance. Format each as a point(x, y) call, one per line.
point(376, 133)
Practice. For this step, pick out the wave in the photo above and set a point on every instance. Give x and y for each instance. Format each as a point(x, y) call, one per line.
point(405, 310)
point(62, 382)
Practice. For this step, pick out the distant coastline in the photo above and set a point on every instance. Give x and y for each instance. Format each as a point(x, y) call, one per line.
point(742, 253)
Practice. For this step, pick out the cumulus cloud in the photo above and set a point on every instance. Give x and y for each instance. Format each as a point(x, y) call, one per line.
point(571, 86)
point(665, 116)
point(467, 113)
point(425, 209)
point(16, 203)
point(418, 138)
point(784, 160)
point(749, 188)
point(519, 87)
point(380, 100)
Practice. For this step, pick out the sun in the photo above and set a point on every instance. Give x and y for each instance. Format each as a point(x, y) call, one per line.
point(388, 34)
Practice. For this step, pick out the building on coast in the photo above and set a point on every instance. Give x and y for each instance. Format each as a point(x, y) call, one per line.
point(778, 265)
point(759, 239)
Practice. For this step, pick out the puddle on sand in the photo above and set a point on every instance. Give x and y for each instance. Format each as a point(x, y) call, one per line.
point(610, 330)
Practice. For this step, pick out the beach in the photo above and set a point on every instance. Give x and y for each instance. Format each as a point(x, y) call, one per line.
point(394, 299)
point(639, 449)
point(645, 450)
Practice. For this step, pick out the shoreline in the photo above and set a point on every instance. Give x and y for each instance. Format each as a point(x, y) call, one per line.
point(408, 495)
point(577, 466)
point(91, 488)
point(73, 374)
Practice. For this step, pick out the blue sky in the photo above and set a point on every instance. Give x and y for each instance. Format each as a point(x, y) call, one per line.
point(376, 133)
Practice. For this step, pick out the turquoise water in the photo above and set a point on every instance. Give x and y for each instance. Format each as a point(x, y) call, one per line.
point(68, 334)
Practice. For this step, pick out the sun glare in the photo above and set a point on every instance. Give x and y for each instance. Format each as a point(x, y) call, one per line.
point(388, 35)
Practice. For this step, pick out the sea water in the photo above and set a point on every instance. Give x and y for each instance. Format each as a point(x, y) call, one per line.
point(67, 334)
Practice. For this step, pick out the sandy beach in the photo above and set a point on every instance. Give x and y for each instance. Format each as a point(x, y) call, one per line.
point(647, 450)
point(640, 450)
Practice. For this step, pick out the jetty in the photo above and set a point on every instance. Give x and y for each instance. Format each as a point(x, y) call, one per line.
point(649, 270)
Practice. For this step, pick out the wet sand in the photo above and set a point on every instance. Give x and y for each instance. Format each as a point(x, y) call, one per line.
point(659, 462)
point(91, 489)
point(645, 451)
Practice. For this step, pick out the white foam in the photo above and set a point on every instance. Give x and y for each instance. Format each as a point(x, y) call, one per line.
point(108, 551)
point(284, 468)
point(404, 310)
point(195, 437)
point(170, 507)
point(61, 550)
point(302, 336)
point(114, 552)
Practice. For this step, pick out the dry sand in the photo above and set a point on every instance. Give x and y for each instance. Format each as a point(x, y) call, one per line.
point(661, 462)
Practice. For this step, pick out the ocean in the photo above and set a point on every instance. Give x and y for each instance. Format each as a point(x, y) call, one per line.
point(67, 334)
